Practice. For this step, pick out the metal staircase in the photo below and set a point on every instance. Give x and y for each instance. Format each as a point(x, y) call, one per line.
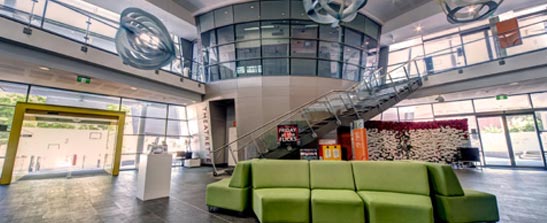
point(375, 93)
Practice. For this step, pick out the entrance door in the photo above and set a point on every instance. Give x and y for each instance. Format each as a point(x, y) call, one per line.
point(52, 141)
point(53, 145)
point(510, 140)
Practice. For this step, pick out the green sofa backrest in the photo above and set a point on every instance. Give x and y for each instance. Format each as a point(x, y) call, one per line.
point(443, 180)
point(331, 175)
point(390, 176)
point(241, 177)
point(280, 174)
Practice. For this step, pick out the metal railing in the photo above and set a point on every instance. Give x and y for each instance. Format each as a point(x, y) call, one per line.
point(333, 104)
point(88, 28)
point(479, 50)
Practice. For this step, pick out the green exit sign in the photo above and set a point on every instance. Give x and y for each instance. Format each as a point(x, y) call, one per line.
point(82, 79)
point(502, 97)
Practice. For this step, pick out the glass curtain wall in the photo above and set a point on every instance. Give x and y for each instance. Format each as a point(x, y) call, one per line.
point(272, 38)
point(510, 132)
point(146, 122)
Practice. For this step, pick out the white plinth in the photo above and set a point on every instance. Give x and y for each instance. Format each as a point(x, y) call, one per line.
point(190, 163)
point(154, 176)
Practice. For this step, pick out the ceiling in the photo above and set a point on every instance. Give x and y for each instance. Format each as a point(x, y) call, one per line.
point(25, 72)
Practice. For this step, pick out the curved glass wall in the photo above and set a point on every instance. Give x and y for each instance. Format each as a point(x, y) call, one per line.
point(275, 38)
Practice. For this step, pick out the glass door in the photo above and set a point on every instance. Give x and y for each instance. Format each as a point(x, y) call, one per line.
point(524, 140)
point(494, 141)
point(511, 140)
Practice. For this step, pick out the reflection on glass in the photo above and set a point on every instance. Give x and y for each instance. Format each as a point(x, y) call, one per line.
point(275, 48)
point(208, 39)
point(6, 116)
point(249, 68)
point(248, 50)
point(353, 38)
point(304, 29)
point(350, 72)
point(275, 29)
point(248, 31)
point(177, 112)
point(390, 115)
point(246, 12)
point(328, 69)
point(415, 112)
point(276, 67)
point(524, 140)
point(226, 34)
point(138, 125)
point(144, 108)
point(177, 128)
point(494, 143)
point(226, 53)
point(539, 100)
point(303, 67)
point(303, 48)
point(278, 9)
point(224, 16)
point(476, 48)
point(10, 93)
point(327, 32)
point(227, 70)
point(330, 50)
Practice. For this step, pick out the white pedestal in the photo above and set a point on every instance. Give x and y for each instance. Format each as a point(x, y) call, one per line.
point(154, 176)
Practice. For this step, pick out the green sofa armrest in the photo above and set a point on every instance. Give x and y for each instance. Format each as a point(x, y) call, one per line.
point(443, 180)
point(221, 195)
point(242, 175)
point(474, 206)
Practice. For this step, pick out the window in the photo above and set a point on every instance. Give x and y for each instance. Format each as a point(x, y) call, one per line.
point(304, 30)
point(303, 67)
point(10, 94)
point(249, 68)
point(275, 29)
point(177, 112)
point(353, 38)
point(213, 73)
point(276, 67)
point(208, 39)
point(390, 115)
point(512, 102)
point(351, 72)
point(330, 50)
point(412, 113)
point(275, 48)
point(226, 53)
point(226, 34)
point(328, 69)
point(455, 107)
point(352, 55)
point(248, 31)
point(326, 32)
point(227, 70)
point(539, 100)
point(303, 48)
point(206, 21)
point(297, 10)
point(248, 49)
point(144, 109)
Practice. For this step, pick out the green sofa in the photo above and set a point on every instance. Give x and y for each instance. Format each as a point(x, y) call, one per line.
point(281, 190)
point(454, 204)
point(333, 196)
point(356, 191)
point(394, 191)
point(231, 193)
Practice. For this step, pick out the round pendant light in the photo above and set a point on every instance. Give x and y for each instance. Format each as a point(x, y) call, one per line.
point(464, 11)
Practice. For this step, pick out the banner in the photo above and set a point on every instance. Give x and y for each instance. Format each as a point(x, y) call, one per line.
point(509, 33)
point(359, 140)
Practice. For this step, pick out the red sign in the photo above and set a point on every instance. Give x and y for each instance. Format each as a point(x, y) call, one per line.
point(360, 144)
point(509, 33)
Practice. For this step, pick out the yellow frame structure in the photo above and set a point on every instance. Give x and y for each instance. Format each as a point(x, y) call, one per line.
point(17, 124)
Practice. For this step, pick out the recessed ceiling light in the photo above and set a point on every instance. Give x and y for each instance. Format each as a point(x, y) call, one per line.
point(193, 101)
point(419, 28)
point(134, 88)
point(514, 84)
point(44, 68)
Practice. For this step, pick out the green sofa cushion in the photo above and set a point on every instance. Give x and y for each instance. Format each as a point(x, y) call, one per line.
point(331, 175)
point(389, 176)
point(443, 180)
point(282, 205)
point(242, 175)
point(221, 195)
point(280, 174)
point(383, 207)
point(337, 206)
point(475, 206)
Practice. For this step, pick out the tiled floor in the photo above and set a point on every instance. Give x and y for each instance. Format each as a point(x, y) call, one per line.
point(522, 197)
